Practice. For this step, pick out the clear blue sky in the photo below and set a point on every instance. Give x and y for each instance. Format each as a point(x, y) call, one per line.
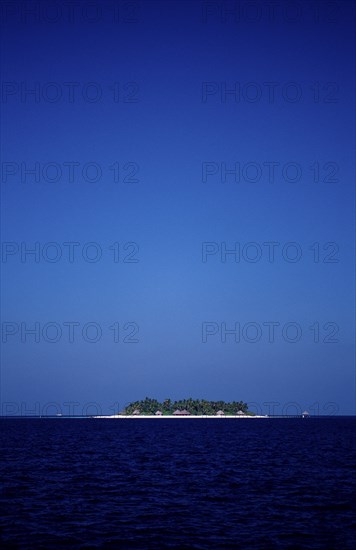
point(174, 136)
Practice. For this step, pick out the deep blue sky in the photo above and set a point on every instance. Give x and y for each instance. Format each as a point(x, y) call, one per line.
point(169, 50)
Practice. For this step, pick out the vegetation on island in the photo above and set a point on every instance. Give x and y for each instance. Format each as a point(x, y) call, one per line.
point(150, 406)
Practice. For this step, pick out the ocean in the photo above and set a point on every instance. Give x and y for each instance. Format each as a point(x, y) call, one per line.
point(178, 484)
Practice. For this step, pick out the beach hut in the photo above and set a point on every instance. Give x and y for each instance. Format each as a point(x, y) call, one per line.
point(136, 412)
point(240, 413)
point(184, 412)
point(220, 413)
point(158, 413)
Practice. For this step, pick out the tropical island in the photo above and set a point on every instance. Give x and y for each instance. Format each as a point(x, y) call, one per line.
point(186, 407)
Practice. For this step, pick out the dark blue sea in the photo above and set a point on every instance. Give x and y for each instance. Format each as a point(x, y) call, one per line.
point(178, 484)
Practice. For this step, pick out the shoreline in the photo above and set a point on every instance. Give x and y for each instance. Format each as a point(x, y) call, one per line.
point(175, 417)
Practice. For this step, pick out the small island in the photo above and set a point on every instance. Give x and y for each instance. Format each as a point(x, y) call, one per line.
point(185, 408)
